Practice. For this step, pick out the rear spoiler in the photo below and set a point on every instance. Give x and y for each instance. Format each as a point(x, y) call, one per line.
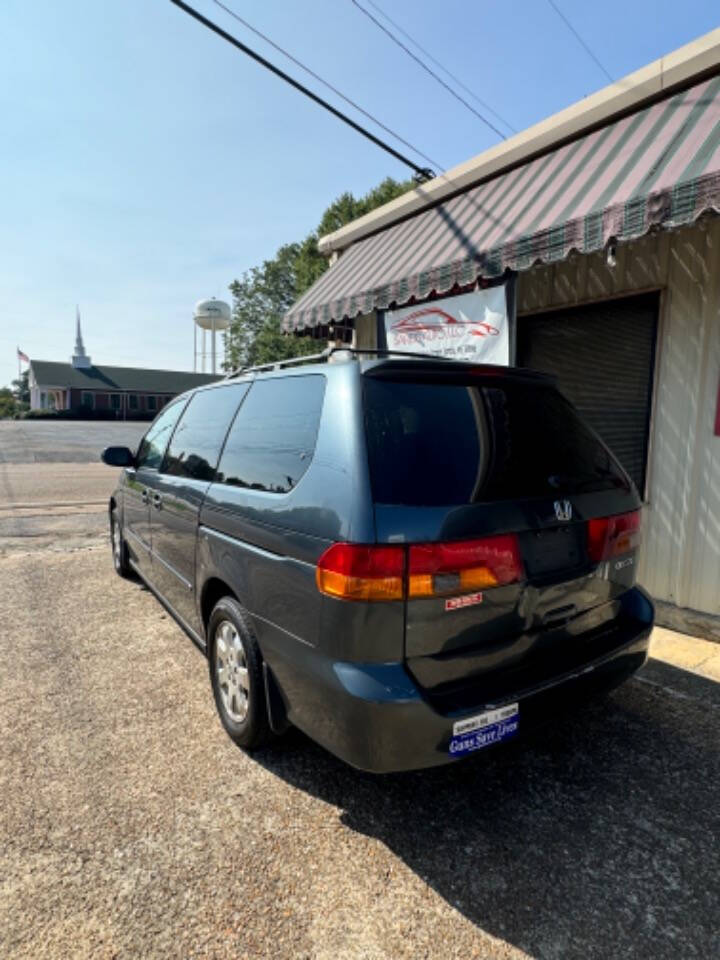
point(433, 369)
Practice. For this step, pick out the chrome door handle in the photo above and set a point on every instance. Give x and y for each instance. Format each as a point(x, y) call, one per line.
point(157, 500)
point(144, 496)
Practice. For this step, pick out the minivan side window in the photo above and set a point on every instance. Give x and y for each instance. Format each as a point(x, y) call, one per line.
point(272, 441)
point(152, 446)
point(198, 438)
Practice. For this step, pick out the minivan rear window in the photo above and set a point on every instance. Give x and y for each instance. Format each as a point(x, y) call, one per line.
point(445, 444)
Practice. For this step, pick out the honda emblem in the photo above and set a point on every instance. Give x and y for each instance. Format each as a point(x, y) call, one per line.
point(563, 510)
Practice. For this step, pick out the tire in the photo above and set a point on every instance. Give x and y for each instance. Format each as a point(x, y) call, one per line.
point(236, 675)
point(119, 547)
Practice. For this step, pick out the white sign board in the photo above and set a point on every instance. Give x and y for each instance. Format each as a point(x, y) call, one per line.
point(472, 326)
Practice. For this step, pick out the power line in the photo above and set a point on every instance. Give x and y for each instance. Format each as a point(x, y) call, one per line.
point(325, 83)
point(422, 173)
point(579, 39)
point(444, 69)
point(428, 70)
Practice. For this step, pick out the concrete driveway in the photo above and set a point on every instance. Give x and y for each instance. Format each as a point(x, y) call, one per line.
point(130, 825)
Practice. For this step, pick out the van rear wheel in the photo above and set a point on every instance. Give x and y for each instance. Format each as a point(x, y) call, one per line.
point(236, 675)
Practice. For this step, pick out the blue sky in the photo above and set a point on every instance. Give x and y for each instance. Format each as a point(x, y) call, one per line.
point(145, 163)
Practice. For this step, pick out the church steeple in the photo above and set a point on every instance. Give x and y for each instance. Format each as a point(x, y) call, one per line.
point(79, 359)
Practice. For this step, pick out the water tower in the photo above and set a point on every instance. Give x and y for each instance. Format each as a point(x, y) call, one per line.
point(212, 315)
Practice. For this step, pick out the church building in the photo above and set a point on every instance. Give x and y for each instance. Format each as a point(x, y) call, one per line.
point(104, 392)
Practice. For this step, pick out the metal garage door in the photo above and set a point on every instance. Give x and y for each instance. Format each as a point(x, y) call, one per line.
point(603, 356)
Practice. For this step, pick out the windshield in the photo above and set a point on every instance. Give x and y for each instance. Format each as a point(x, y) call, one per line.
point(444, 444)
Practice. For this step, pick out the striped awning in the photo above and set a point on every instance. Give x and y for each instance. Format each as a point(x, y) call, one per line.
point(658, 167)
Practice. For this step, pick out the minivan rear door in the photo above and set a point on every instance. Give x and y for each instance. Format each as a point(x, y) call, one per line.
point(495, 465)
point(185, 474)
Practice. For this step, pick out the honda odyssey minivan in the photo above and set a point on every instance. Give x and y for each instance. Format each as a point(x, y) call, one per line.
point(409, 559)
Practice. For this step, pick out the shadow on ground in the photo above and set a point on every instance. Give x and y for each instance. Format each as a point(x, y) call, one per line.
point(594, 837)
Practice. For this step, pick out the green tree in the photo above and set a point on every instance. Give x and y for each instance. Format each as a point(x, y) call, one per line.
point(21, 390)
point(264, 294)
point(271, 344)
point(8, 403)
point(261, 296)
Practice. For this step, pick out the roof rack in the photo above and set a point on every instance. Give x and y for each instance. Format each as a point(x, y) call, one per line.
point(327, 354)
point(384, 352)
point(280, 364)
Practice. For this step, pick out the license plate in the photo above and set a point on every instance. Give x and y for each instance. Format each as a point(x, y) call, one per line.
point(493, 726)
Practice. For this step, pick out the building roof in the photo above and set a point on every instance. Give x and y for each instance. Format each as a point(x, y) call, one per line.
point(129, 379)
point(680, 68)
point(655, 167)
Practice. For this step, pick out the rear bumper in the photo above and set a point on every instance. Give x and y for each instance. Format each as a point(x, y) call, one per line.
point(375, 717)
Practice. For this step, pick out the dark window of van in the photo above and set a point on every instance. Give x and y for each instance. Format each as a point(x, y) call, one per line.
point(152, 446)
point(447, 444)
point(272, 441)
point(198, 438)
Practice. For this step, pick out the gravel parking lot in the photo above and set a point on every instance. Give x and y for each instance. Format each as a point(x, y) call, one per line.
point(130, 825)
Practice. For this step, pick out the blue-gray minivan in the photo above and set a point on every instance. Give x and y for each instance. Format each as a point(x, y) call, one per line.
point(409, 559)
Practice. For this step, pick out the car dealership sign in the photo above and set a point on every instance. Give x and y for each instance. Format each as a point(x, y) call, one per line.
point(472, 326)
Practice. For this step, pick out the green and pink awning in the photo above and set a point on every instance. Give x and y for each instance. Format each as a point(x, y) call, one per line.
point(656, 168)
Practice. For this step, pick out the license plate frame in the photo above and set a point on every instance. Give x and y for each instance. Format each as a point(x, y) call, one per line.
point(484, 729)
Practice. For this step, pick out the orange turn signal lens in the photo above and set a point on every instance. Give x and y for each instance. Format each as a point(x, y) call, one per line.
point(420, 585)
point(477, 578)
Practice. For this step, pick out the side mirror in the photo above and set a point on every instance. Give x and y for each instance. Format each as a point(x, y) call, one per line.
point(118, 457)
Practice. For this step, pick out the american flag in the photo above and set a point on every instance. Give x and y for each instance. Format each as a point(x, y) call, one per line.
point(22, 356)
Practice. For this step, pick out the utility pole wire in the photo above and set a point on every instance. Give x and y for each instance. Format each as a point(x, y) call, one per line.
point(579, 39)
point(422, 173)
point(437, 63)
point(428, 70)
point(315, 76)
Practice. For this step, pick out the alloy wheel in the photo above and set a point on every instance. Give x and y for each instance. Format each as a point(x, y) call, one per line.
point(231, 671)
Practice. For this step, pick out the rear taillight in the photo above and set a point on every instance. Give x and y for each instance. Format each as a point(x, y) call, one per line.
point(355, 572)
point(366, 572)
point(439, 569)
point(612, 536)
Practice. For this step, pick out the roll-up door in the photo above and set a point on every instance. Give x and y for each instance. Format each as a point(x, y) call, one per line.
point(603, 356)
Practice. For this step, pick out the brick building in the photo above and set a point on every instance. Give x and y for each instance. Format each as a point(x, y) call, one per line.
point(125, 393)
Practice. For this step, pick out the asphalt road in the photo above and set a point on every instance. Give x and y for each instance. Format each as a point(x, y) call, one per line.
point(65, 441)
point(130, 825)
